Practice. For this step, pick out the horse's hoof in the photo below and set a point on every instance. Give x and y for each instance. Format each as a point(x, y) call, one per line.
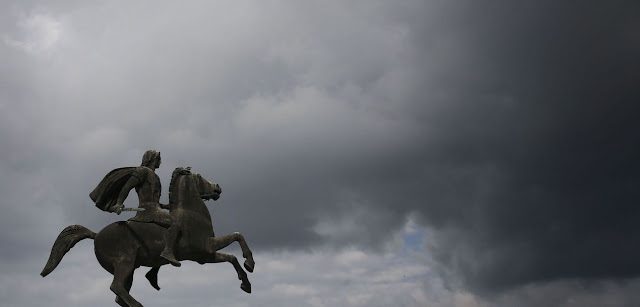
point(246, 287)
point(249, 264)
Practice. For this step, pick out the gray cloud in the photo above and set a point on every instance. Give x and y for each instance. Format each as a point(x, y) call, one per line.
point(536, 152)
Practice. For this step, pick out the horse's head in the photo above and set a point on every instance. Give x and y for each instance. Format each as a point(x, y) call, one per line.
point(185, 184)
point(208, 190)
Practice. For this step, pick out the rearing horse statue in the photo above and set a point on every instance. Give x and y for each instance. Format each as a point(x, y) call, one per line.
point(124, 246)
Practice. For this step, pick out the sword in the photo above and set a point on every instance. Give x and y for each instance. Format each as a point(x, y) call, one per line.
point(132, 209)
point(127, 209)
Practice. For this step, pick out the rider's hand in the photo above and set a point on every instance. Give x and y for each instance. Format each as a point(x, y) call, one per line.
point(117, 208)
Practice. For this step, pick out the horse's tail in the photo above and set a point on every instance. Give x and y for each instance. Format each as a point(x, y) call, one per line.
point(65, 241)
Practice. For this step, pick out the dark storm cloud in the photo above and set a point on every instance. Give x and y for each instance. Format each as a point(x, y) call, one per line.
point(533, 173)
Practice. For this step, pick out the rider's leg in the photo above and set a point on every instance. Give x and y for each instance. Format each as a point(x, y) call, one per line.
point(152, 276)
point(170, 241)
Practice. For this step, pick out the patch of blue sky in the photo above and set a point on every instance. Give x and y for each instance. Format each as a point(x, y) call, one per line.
point(414, 241)
point(413, 237)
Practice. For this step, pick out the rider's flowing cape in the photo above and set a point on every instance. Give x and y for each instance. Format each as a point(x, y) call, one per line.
point(105, 195)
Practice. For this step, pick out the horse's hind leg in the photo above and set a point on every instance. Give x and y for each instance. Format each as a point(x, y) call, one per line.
point(122, 281)
point(217, 243)
point(217, 257)
point(127, 286)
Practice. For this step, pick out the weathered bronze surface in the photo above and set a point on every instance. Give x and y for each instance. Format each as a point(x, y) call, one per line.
point(153, 237)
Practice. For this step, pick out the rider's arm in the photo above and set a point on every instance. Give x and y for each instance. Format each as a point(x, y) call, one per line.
point(133, 181)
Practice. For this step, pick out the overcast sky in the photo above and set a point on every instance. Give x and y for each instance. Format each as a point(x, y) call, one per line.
point(373, 153)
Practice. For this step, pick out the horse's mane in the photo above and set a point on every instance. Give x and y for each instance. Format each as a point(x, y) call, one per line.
point(173, 186)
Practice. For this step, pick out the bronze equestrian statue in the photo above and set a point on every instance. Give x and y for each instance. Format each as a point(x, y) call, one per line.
point(153, 237)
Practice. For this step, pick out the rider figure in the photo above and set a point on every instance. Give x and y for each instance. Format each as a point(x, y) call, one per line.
point(147, 185)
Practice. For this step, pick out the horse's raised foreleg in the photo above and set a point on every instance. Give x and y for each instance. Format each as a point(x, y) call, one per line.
point(217, 243)
point(122, 281)
point(217, 257)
